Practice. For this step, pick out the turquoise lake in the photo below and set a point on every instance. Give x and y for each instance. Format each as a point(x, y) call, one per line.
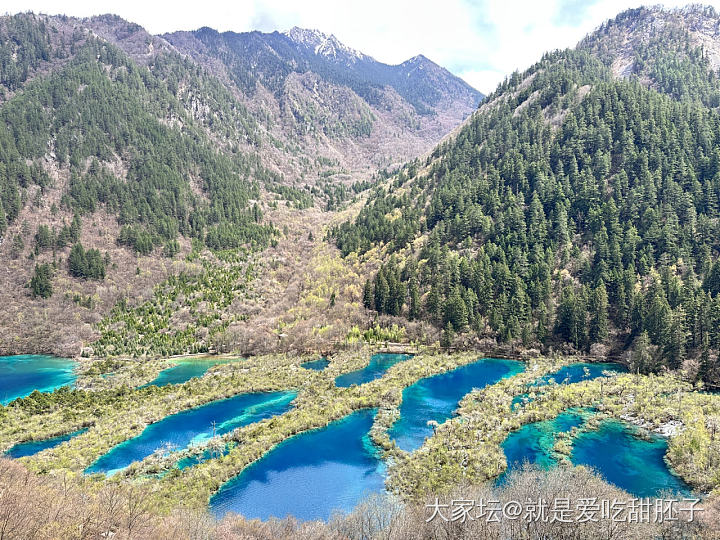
point(308, 476)
point(379, 364)
point(21, 375)
point(437, 397)
point(207, 454)
point(30, 448)
point(575, 373)
point(533, 443)
point(185, 370)
point(194, 426)
point(631, 463)
point(317, 365)
point(581, 371)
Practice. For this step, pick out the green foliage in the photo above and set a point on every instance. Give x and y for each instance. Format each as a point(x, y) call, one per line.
point(598, 308)
point(137, 238)
point(69, 234)
point(377, 334)
point(368, 295)
point(24, 45)
point(172, 248)
point(18, 245)
point(100, 106)
point(41, 282)
point(86, 264)
point(198, 298)
point(44, 238)
point(300, 198)
point(447, 336)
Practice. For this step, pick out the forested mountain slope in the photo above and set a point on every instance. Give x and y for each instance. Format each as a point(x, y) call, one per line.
point(98, 153)
point(578, 208)
point(121, 153)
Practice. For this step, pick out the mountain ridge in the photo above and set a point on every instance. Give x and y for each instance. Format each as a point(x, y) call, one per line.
point(396, 103)
point(576, 210)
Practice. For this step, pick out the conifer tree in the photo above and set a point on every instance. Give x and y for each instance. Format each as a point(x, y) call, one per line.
point(598, 331)
point(40, 284)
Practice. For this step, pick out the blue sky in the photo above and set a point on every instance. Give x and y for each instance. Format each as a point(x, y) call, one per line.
point(481, 41)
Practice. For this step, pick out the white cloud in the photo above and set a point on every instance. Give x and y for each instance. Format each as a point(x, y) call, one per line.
point(482, 41)
point(484, 80)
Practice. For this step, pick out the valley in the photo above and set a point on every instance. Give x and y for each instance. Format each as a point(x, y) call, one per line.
point(261, 284)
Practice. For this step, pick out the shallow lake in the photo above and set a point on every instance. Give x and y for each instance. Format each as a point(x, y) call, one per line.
point(629, 462)
point(582, 371)
point(309, 475)
point(30, 448)
point(379, 364)
point(437, 397)
point(533, 443)
point(185, 370)
point(21, 375)
point(317, 365)
point(193, 426)
point(575, 373)
point(633, 464)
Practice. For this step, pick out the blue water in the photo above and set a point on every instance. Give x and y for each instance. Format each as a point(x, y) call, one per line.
point(379, 364)
point(309, 475)
point(21, 375)
point(193, 426)
point(574, 373)
point(207, 454)
point(633, 464)
point(533, 443)
point(30, 448)
point(437, 397)
point(317, 365)
point(185, 370)
point(581, 371)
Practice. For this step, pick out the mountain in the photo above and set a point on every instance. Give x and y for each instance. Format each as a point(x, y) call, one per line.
point(577, 209)
point(329, 99)
point(98, 152)
point(122, 152)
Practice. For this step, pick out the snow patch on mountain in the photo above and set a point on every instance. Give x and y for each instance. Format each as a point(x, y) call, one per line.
point(324, 45)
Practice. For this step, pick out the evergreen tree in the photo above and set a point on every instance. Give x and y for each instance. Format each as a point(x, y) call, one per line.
point(44, 238)
point(18, 245)
point(77, 263)
point(455, 311)
point(641, 357)
point(432, 304)
point(86, 264)
point(40, 284)
point(381, 291)
point(368, 295)
point(447, 336)
point(675, 342)
point(712, 281)
point(566, 323)
point(598, 314)
point(414, 293)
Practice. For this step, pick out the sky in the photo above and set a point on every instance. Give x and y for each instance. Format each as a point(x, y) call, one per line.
point(481, 41)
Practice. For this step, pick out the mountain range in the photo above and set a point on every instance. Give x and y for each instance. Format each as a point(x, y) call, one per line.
point(315, 94)
point(577, 209)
